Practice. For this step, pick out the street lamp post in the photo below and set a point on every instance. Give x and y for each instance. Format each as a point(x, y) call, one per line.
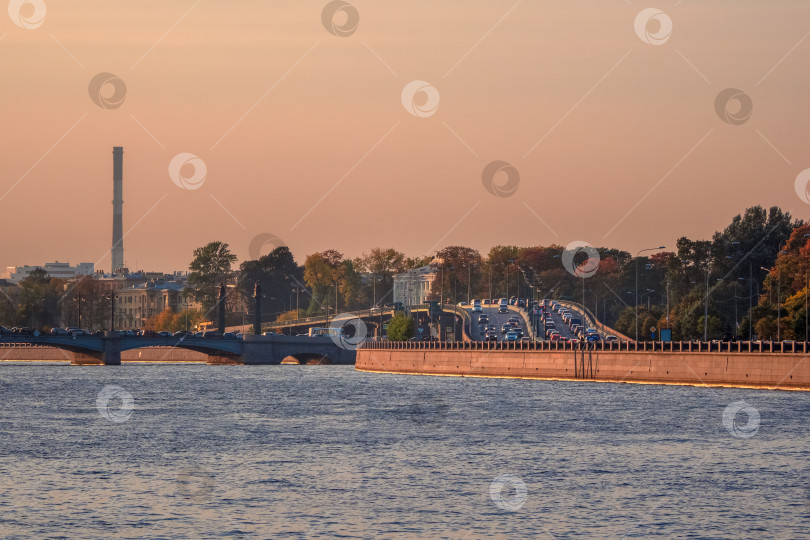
point(637, 256)
point(469, 280)
point(510, 261)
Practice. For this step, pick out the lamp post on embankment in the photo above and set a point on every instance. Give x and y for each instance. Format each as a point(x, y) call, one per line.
point(637, 257)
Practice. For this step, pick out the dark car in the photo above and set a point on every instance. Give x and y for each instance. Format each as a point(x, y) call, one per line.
point(518, 331)
point(182, 333)
point(483, 319)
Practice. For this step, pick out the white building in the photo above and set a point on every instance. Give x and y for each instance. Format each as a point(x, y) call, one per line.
point(414, 286)
point(16, 274)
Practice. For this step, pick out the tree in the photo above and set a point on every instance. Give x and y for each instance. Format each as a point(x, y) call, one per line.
point(401, 328)
point(320, 273)
point(382, 264)
point(211, 266)
point(277, 273)
point(39, 300)
point(457, 262)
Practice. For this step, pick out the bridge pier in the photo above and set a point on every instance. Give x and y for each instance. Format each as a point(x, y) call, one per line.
point(109, 356)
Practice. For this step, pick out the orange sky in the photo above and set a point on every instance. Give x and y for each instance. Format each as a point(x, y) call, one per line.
point(281, 112)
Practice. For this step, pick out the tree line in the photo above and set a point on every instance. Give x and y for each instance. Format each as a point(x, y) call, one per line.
point(749, 279)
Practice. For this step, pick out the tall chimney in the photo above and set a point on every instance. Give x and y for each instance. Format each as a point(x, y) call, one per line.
point(117, 251)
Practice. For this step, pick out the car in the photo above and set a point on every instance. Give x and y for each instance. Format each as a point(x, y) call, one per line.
point(58, 331)
point(462, 303)
point(491, 336)
point(486, 301)
point(518, 331)
point(513, 320)
point(164, 333)
point(503, 309)
point(554, 336)
point(483, 319)
point(182, 333)
point(476, 306)
point(511, 336)
point(229, 335)
point(210, 334)
point(591, 338)
point(611, 338)
point(506, 328)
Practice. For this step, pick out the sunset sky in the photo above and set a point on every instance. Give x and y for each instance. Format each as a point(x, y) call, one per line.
point(304, 134)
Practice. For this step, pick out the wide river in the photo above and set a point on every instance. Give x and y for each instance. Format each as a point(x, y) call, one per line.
point(196, 451)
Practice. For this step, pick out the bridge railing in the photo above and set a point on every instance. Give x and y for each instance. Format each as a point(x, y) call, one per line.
point(593, 321)
point(310, 321)
point(730, 347)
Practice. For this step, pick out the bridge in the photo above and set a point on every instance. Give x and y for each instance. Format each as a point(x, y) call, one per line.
point(252, 350)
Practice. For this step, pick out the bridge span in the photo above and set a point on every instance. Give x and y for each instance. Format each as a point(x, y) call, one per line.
point(252, 350)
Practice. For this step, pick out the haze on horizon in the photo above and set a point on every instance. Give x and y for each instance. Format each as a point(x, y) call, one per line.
point(304, 134)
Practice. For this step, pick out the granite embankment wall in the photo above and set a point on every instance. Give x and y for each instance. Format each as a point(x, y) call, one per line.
point(789, 371)
point(155, 354)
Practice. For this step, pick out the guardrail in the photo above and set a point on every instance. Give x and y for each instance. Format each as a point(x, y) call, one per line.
point(375, 312)
point(732, 347)
point(594, 322)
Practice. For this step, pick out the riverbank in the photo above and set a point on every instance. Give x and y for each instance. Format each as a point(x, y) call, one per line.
point(742, 370)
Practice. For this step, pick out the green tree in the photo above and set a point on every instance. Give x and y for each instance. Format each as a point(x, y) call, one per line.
point(320, 275)
point(277, 273)
point(401, 328)
point(212, 265)
point(39, 300)
point(381, 265)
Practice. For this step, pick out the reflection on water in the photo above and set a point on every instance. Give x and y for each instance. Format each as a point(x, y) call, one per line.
point(320, 451)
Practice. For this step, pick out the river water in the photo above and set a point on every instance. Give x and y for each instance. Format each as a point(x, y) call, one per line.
point(196, 451)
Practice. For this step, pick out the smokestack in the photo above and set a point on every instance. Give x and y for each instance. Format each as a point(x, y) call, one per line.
point(117, 251)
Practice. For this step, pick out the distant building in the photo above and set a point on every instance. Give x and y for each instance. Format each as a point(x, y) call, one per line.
point(136, 303)
point(414, 286)
point(15, 274)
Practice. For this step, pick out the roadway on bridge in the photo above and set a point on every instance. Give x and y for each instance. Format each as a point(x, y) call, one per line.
point(496, 319)
point(499, 319)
